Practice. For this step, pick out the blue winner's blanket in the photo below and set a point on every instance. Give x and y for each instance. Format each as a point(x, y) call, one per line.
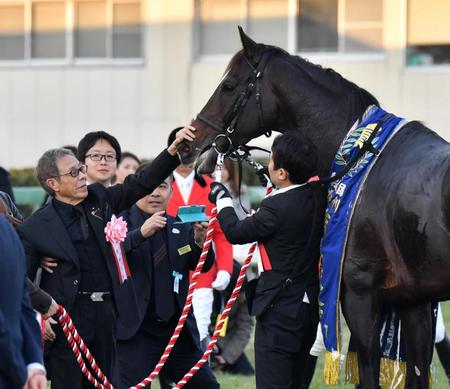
point(342, 197)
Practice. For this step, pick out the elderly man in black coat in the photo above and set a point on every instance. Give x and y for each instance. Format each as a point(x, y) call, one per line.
point(87, 280)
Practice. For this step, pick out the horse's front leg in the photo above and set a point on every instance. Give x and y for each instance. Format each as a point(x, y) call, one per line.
point(362, 310)
point(416, 322)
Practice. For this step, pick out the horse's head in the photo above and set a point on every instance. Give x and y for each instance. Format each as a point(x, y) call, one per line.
point(264, 88)
point(237, 111)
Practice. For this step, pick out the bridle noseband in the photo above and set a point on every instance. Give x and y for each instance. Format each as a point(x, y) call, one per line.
point(233, 114)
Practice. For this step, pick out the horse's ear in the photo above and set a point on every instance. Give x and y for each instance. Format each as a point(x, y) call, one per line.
point(250, 46)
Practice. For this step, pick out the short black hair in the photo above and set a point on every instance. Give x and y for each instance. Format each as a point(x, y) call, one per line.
point(91, 138)
point(141, 167)
point(297, 155)
point(172, 135)
point(72, 148)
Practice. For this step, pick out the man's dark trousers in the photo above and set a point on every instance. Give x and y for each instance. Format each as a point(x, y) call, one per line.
point(95, 323)
point(139, 356)
point(282, 344)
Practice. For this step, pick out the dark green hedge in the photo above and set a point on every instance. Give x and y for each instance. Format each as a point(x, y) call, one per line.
point(24, 177)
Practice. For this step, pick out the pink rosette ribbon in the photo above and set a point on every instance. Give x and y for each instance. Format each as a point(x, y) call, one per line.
point(116, 232)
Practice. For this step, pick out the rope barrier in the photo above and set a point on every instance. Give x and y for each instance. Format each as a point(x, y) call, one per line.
point(80, 350)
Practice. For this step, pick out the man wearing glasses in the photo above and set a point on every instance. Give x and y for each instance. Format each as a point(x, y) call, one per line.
point(70, 228)
point(101, 153)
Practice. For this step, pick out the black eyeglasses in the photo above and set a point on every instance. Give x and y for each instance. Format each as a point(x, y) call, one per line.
point(99, 157)
point(75, 171)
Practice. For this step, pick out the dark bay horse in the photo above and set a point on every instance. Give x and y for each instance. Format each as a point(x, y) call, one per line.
point(398, 248)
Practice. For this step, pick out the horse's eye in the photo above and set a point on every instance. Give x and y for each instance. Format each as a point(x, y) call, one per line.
point(227, 87)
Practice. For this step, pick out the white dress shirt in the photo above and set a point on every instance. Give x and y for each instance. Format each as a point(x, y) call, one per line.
point(185, 184)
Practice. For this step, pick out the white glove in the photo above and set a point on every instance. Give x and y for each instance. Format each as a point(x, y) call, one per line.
point(222, 280)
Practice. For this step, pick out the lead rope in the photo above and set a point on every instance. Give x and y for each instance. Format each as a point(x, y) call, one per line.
point(226, 311)
point(187, 305)
point(80, 349)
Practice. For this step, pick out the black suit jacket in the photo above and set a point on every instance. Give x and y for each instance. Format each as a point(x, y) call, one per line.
point(140, 262)
point(20, 336)
point(43, 233)
point(283, 224)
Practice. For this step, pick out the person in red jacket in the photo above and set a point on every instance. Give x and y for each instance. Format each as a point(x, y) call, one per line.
point(190, 188)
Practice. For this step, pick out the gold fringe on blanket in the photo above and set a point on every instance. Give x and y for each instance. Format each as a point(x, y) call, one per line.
point(351, 368)
point(392, 373)
point(331, 368)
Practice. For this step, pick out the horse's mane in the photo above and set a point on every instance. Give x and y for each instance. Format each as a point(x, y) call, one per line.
point(318, 72)
point(327, 77)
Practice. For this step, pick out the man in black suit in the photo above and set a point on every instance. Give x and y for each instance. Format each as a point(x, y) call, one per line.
point(160, 255)
point(288, 227)
point(20, 337)
point(70, 228)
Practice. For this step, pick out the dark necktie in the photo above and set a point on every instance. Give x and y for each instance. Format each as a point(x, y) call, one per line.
point(163, 293)
point(83, 221)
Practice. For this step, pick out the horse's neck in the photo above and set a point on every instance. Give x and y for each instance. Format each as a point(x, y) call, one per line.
point(317, 112)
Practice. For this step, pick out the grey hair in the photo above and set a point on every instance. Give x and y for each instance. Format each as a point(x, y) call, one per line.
point(47, 167)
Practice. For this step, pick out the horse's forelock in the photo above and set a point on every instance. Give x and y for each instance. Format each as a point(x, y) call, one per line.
point(233, 62)
point(261, 48)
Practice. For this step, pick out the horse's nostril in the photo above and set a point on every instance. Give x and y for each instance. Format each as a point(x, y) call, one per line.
point(185, 148)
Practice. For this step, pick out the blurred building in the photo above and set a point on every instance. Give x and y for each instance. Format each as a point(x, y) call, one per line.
point(138, 68)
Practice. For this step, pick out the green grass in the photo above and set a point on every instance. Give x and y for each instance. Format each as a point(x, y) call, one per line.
point(232, 382)
point(228, 381)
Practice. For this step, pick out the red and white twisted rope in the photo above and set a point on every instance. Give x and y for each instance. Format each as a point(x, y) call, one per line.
point(78, 345)
point(223, 315)
point(80, 350)
point(187, 305)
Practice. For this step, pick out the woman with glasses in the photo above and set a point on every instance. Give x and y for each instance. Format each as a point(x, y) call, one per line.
point(101, 153)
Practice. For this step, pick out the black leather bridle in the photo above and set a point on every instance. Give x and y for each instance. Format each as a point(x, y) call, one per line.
point(232, 116)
